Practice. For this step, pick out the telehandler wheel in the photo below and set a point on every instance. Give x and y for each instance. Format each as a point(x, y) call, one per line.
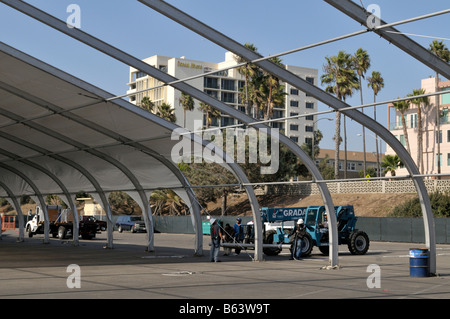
point(307, 245)
point(269, 240)
point(359, 243)
point(62, 232)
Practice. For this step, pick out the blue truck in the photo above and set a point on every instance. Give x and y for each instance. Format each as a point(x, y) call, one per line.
point(278, 222)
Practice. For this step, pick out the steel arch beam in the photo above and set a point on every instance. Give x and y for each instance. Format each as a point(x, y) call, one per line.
point(16, 204)
point(319, 94)
point(37, 193)
point(401, 41)
point(58, 182)
point(121, 56)
point(74, 165)
point(96, 153)
point(118, 137)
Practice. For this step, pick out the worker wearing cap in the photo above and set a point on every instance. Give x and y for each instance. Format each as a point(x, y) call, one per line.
point(296, 236)
point(216, 236)
point(238, 234)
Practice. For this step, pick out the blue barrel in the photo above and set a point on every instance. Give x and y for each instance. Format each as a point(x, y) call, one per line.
point(419, 265)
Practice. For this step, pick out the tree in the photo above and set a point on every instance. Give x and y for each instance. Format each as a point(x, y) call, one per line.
point(248, 71)
point(402, 107)
point(419, 102)
point(166, 198)
point(210, 113)
point(166, 111)
point(341, 80)
point(362, 64)
point(390, 163)
point(187, 103)
point(376, 83)
point(272, 91)
point(441, 51)
point(147, 104)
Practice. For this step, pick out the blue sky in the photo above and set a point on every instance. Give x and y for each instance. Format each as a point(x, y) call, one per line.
point(272, 26)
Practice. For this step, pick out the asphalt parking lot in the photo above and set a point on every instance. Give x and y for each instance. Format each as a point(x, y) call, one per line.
point(32, 269)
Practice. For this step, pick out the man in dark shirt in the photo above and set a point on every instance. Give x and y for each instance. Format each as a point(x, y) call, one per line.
point(216, 236)
point(296, 236)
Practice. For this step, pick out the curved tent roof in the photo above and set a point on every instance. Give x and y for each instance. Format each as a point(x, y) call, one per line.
point(60, 135)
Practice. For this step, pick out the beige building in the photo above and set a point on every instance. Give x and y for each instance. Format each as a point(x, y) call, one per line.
point(224, 86)
point(355, 161)
point(429, 128)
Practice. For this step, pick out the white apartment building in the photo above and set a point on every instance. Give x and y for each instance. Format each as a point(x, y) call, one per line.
point(430, 135)
point(224, 86)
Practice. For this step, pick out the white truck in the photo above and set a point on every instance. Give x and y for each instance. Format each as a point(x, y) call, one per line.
point(60, 224)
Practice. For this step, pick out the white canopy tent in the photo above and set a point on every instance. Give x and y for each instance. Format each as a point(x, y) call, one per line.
point(59, 135)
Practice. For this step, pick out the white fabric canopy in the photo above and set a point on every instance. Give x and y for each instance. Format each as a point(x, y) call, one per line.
point(59, 135)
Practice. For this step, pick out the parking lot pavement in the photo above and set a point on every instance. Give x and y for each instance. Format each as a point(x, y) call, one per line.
point(32, 269)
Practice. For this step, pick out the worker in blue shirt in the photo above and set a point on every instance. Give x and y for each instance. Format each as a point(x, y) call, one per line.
point(238, 234)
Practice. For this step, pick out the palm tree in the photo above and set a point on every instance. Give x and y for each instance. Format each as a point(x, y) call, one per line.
point(442, 52)
point(376, 82)
point(418, 102)
point(166, 111)
point(340, 77)
point(402, 107)
point(248, 71)
point(147, 104)
point(187, 103)
point(390, 163)
point(362, 64)
point(210, 113)
point(272, 90)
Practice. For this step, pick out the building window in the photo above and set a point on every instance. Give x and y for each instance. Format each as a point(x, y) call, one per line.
point(226, 121)
point(293, 127)
point(294, 103)
point(227, 97)
point(294, 138)
point(211, 93)
point(439, 137)
point(309, 117)
point(402, 139)
point(228, 85)
point(212, 83)
point(294, 91)
point(310, 80)
point(439, 159)
point(309, 128)
point(308, 140)
point(293, 114)
point(309, 105)
point(413, 121)
point(448, 159)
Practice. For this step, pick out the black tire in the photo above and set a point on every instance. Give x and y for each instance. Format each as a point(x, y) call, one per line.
point(307, 245)
point(359, 243)
point(268, 239)
point(30, 233)
point(62, 232)
point(325, 250)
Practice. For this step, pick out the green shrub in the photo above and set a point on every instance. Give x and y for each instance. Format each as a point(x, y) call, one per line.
point(440, 205)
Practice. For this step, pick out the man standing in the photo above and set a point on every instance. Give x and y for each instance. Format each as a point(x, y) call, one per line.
point(238, 234)
point(216, 236)
point(296, 236)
